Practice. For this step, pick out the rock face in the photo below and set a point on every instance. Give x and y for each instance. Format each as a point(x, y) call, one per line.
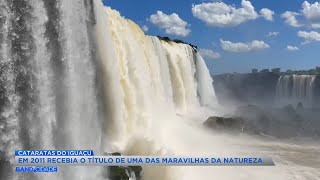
point(221, 123)
point(6, 168)
point(285, 122)
point(231, 125)
point(300, 107)
point(257, 120)
point(122, 172)
point(249, 119)
point(243, 89)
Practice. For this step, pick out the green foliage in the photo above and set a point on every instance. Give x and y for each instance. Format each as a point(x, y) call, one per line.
point(277, 71)
point(167, 39)
point(302, 72)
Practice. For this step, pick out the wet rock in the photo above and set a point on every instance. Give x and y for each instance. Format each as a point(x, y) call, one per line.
point(6, 168)
point(286, 122)
point(122, 172)
point(289, 109)
point(137, 171)
point(242, 89)
point(248, 119)
point(113, 154)
point(256, 119)
point(119, 173)
point(300, 107)
point(222, 123)
point(289, 113)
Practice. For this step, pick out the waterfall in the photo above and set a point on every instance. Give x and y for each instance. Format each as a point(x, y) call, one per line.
point(76, 75)
point(208, 97)
point(48, 79)
point(295, 89)
point(148, 78)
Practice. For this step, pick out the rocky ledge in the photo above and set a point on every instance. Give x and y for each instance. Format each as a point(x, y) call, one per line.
point(122, 172)
point(286, 122)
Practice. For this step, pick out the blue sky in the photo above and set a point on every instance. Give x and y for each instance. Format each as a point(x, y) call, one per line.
point(234, 36)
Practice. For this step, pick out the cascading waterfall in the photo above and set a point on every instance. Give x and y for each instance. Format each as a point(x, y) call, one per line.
point(48, 79)
point(295, 89)
point(76, 75)
point(204, 80)
point(149, 76)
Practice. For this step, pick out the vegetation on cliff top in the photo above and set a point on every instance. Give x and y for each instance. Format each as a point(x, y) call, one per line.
point(277, 71)
point(167, 39)
point(315, 71)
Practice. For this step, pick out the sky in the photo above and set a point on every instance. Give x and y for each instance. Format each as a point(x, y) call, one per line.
point(235, 35)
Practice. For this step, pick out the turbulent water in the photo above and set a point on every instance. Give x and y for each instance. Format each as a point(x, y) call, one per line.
point(295, 89)
point(76, 75)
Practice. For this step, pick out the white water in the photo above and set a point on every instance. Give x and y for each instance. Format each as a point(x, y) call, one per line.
point(102, 84)
point(205, 87)
point(295, 89)
point(49, 92)
point(152, 80)
point(157, 110)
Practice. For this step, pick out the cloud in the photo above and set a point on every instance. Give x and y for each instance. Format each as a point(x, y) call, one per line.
point(309, 14)
point(172, 24)
point(222, 15)
point(209, 54)
point(293, 48)
point(267, 14)
point(145, 28)
point(309, 36)
point(312, 13)
point(273, 34)
point(243, 47)
point(290, 18)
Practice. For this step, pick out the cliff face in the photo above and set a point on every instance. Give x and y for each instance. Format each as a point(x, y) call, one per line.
point(267, 89)
point(240, 89)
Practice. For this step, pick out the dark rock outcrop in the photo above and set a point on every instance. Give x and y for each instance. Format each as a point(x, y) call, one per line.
point(119, 173)
point(122, 172)
point(221, 123)
point(231, 125)
point(257, 120)
point(300, 107)
point(284, 122)
point(6, 168)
